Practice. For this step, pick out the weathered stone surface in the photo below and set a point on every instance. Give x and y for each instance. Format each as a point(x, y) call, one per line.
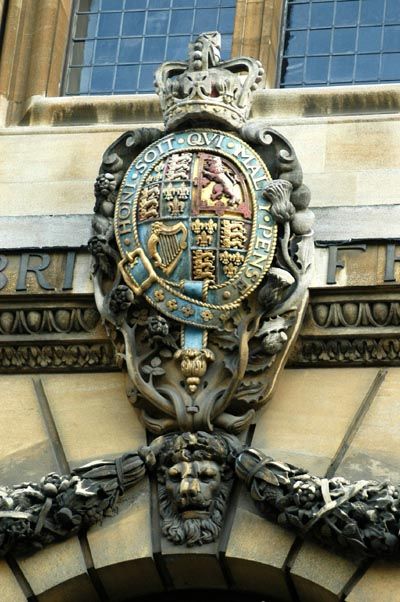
point(381, 582)
point(305, 422)
point(10, 589)
point(320, 575)
point(257, 551)
point(60, 564)
point(93, 415)
point(25, 451)
point(122, 548)
point(374, 452)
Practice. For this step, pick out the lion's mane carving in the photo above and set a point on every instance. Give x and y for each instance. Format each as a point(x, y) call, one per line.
point(194, 472)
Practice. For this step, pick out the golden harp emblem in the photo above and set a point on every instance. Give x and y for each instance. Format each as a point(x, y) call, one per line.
point(166, 245)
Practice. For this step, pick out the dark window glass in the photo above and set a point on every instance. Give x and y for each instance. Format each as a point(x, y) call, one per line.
point(319, 41)
point(316, 69)
point(295, 42)
point(109, 24)
point(102, 79)
point(347, 13)
point(130, 50)
point(106, 52)
point(126, 78)
point(344, 40)
point(157, 22)
point(321, 14)
point(116, 45)
point(333, 42)
point(369, 39)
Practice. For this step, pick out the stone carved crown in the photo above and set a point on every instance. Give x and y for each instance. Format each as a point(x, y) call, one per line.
point(205, 88)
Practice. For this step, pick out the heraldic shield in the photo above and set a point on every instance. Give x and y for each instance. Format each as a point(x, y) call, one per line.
point(193, 226)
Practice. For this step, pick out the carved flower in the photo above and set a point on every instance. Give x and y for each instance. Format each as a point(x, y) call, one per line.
point(207, 315)
point(154, 368)
point(121, 298)
point(172, 305)
point(274, 342)
point(187, 311)
point(278, 192)
point(159, 295)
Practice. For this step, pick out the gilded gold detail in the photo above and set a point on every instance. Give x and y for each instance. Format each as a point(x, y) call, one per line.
point(194, 365)
point(233, 234)
point(231, 262)
point(204, 231)
point(164, 245)
point(149, 203)
point(203, 265)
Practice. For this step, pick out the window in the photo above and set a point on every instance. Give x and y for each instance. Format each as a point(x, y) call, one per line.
point(116, 45)
point(341, 42)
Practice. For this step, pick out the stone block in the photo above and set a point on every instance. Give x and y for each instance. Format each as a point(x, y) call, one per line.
point(309, 413)
point(10, 589)
point(121, 547)
point(374, 452)
point(58, 569)
point(320, 575)
point(363, 145)
point(93, 416)
point(25, 451)
point(381, 582)
point(256, 552)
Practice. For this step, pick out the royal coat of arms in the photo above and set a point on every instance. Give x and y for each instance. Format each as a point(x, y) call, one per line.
point(202, 248)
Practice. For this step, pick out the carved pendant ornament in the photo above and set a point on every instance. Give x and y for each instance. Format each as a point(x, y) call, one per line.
point(202, 251)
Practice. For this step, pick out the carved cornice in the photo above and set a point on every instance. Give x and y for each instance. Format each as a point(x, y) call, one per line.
point(350, 329)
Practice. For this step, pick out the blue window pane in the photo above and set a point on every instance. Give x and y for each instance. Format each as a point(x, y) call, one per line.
point(369, 39)
point(82, 53)
point(321, 14)
point(390, 67)
point(295, 42)
point(88, 5)
point(205, 20)
point(226, 46)
point(391, 38)
point(109, 24)
point(181, 21)
point(129, 50)
point(298, 16)
point(347, 13)
point(157, 22)
point(78, 80)
point(183, 3)
point(135, 4)
point(102, 79)
point(106, 52)
point(293, 71)
point(367, 67)
point(371, 12)
point(205, 3)
point(159, 4)
point(126, 78)
point(342, 69)
point(133, 24)
point(344, 40)
point(177, 48)
point(392, 11)
point(154, 49)
point(225, 21)
point(319, 41)
point(86, 26)
point(146, 78)
point(112, 4)
point(316, 69)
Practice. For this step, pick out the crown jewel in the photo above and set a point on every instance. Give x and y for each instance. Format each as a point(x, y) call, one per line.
point(205, 88)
